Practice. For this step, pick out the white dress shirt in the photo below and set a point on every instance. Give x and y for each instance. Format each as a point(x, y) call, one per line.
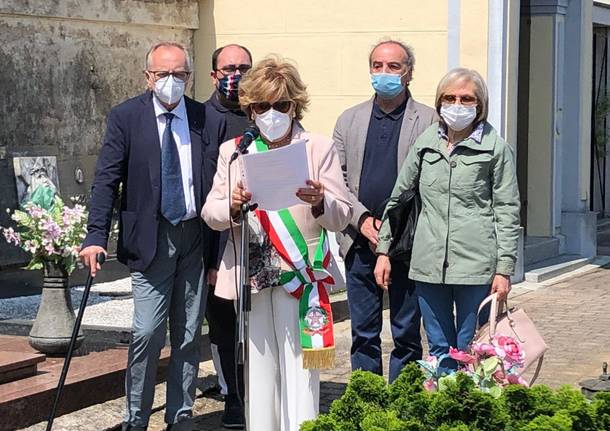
point(180, 130)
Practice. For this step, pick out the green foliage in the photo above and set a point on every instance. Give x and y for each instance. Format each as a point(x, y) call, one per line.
point(461, 403)
point(323, 423)
point(371, 388)
point(560, 421)
point(410, 381)
point(369, 404)
point(382, 421)
point(601, 406)
point(455, 427)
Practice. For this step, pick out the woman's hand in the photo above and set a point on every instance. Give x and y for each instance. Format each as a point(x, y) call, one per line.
point(238, 198)
point(501, 286)
point(383, 269)
point(312, 195)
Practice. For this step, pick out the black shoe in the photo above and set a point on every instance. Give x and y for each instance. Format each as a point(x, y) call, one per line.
point(128, 427)
point(233, 416)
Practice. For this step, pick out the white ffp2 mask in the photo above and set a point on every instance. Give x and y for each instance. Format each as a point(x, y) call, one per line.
point(458, 116)
point(169, 89)
point(273, 124)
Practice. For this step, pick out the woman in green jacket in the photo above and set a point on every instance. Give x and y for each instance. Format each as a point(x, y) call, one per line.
point(466, 238)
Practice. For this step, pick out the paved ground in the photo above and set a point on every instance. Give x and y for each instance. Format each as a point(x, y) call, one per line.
point(573, 314)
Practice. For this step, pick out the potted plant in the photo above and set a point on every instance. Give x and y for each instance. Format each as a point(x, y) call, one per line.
point(51, 232)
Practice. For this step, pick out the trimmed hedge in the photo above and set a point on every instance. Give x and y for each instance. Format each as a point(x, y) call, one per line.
point(369, 404)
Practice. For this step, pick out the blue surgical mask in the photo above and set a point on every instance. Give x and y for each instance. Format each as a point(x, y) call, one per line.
point(387, 85)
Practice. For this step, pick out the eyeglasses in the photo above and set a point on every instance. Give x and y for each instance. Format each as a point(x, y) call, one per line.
point(231, 69)
point(282, 106)
point(464, 100)
point(160, 74)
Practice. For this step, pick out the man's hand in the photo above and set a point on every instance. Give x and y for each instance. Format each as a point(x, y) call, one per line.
point(501, 285)
point(382, 272)
point(212, 276)
point(367, 228)
point(89, 257)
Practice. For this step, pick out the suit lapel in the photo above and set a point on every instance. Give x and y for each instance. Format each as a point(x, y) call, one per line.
point(196, 119)
point(409, 123)
point(362, 118)
point(153, 146)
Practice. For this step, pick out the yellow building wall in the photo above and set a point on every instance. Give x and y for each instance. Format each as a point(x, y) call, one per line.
point(330, 42)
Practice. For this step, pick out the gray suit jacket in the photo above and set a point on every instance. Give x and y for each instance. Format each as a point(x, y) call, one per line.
point(350, 138)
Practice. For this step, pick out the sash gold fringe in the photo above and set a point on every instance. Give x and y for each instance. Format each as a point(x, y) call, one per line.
point(319, 358)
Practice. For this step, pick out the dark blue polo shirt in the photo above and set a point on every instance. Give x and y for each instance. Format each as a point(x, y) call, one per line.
point(379, 167)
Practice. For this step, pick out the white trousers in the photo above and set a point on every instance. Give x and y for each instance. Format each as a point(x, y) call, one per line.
point(282, 394)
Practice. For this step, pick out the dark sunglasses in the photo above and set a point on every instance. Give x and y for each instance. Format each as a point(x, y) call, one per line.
point(464, 100)
point(282, 106)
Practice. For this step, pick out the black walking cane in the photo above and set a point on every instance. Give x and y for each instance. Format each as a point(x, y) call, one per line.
point(100, 258)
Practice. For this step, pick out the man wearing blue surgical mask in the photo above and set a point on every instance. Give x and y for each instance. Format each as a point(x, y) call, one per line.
point(373, 139)
point(225, 121)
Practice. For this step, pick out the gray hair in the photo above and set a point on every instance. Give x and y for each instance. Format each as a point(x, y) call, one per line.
point(407, 49)
point(480, 89)
point(189, 61)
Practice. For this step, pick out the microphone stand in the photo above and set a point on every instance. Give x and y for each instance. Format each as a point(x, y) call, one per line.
point(243, 310)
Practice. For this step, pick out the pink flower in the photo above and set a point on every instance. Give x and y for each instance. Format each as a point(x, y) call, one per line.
point(484, 349)
point(432, 360)
point(30, 246)
point(511, 348)
point(460, 356)
point(35, 211)
point(499, 375)
point(53, 231)
point(515, 379)
point(430, 385)
point(12, 236)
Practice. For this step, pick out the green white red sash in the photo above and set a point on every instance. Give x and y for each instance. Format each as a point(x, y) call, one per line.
point(306, 282)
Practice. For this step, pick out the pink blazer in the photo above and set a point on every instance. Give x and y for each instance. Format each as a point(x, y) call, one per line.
point(324, 166)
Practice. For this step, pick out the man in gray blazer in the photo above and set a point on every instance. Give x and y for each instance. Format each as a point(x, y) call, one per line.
point(373, 139)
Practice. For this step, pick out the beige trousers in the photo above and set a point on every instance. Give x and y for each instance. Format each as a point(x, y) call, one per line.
point(281, 393)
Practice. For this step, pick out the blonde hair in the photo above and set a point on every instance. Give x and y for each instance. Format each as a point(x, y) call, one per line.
point(270, 80)
point(480, 90)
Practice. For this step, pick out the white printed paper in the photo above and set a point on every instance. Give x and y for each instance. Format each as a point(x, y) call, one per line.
point(273, 177)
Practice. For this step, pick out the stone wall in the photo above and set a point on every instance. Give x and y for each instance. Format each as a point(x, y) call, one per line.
point(63, 65)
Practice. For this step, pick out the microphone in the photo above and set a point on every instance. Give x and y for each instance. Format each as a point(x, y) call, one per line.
point(250, 134)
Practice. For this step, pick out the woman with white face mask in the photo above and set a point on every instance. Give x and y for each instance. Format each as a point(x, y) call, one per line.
point(465, 242)
point(290, 265)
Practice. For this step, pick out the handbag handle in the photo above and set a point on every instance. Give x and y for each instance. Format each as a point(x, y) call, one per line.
point(493, 314)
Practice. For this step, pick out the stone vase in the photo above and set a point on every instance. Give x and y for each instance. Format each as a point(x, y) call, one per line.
point(54, 322)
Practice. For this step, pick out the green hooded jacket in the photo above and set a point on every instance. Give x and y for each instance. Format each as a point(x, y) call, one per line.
point(468, 228)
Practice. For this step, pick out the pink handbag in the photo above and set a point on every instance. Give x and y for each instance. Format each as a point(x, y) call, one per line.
point(513, 323)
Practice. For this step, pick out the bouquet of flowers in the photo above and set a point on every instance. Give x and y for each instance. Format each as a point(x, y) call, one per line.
point(492, 366)
point(51, 234)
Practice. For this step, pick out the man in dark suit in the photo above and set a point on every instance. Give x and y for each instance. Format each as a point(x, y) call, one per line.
point(229, 63)
point(373, 139)
point(156, 147)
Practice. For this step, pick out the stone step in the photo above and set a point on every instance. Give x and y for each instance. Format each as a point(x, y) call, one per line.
point(539, 248)
point(18, 365)
point(603, 225)
point(550, 268)
point(92, 379)
point(603, 250)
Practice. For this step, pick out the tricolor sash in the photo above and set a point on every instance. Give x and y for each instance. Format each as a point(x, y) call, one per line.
point(306, 281)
